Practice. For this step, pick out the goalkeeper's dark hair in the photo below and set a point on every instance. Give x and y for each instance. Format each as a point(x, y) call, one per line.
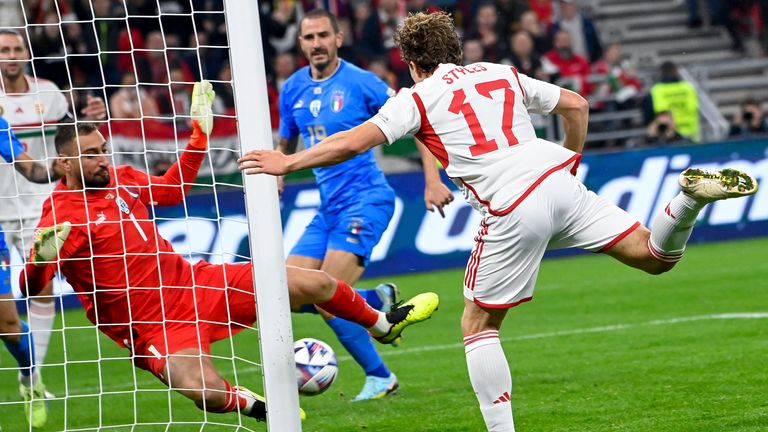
point(68, 134)
point(429, 40)
point(320, 13)
point(10, 31)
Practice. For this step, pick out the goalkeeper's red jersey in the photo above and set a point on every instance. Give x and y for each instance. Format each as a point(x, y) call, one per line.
point(125, 274)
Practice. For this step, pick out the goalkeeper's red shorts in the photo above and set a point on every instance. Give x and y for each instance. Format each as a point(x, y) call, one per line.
point(225, 306)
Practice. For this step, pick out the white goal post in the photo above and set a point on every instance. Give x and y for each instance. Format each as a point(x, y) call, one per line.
point(273, 309)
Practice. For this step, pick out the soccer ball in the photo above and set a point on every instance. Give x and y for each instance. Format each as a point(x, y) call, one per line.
point(316, 366)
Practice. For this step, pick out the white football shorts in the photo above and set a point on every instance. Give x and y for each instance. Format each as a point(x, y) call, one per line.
point(560, 213)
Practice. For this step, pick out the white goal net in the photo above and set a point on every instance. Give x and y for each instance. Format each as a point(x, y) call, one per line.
point(141, 58)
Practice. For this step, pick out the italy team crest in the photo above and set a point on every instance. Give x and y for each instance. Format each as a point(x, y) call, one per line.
point(337, 101)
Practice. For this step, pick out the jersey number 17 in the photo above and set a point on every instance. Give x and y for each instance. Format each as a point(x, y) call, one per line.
point(460, 105)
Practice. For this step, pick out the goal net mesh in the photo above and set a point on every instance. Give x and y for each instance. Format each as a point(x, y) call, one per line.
point(141, 57)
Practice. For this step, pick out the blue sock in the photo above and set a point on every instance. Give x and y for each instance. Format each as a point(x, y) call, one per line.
point(370, 296)
point(359, 344)
point(23, 351)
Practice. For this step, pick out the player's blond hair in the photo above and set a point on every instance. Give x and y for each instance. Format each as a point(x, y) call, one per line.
point(428, 40)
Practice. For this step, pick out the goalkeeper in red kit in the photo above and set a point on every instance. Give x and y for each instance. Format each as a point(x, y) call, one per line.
point(97, 230)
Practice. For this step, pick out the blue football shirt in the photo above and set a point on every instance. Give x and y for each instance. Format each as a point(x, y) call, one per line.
point(10, 146)
point(316, 109)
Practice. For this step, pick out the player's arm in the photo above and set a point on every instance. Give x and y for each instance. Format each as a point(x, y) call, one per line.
point(12, 150)
point(338, 147)
point(171, 187)
point(436, 194)
point(397, 118)
point(35, 171)
point(45, 255)
point(574, 111)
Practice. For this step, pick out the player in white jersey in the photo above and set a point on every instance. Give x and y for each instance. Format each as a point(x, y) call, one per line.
point(33, 107)
point(475, 120)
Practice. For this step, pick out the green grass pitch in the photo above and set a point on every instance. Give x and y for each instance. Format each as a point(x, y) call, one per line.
point(601, 348)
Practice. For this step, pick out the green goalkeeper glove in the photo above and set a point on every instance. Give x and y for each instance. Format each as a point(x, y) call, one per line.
point(48, 243)
point(200, 109)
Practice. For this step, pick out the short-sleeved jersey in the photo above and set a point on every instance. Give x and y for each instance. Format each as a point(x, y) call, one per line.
point(10, 146)
point(123, 271)
point(475, 120)
point(316, 109)
point(34, 117)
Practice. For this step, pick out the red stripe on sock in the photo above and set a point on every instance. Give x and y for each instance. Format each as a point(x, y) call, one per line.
point(347, 304)
point(469, 340)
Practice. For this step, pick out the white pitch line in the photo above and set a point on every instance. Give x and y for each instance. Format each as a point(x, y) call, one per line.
point(459, 345)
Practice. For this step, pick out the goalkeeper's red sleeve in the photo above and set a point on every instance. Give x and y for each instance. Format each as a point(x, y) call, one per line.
point(34, 278)
point(182, 173)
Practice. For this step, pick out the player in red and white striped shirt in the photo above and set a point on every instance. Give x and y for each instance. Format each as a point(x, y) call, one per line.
point(475, 120)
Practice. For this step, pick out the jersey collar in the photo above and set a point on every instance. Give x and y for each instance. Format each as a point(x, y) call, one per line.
point(338, 68)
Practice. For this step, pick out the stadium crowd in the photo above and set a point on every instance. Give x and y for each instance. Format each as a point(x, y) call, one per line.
point(553, 40)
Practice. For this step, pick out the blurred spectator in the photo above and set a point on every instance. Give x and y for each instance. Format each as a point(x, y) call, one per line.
point(285, 65)
point(131, 101)
point(543, 9)
point(473, 51)
point(621, 81)
point(377, 38)
point(749, 120)
point(677, 96)
point(486, 30)
point(530, 23)
point(380, 67)
point(694, 17)
point(46, 41)
point(523, 57)
point(225, 96)
point(586, 41)
point(568, 69)
point(509, 12)
point(287, 14)
point(662, 130)
point(720, 14)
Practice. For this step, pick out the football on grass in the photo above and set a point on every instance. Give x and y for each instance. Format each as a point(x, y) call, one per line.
point(316, 366)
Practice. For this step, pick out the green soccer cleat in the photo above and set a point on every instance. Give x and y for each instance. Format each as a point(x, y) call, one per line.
point(413, 311)
point(48, 243)
point(35, 407)
point(708, 186)
point(259, 408)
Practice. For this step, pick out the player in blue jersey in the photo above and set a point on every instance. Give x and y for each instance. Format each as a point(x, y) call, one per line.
point(13, 331)
point(328, 96)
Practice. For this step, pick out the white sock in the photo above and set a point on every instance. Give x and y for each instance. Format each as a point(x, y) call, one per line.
point(381, 327)
point(29, 380)
point(491, 379)
point(249, 400)
point(41, 316)
point(672, 227)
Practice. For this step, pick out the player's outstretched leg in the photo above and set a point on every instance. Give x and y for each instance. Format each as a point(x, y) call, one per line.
point(658, 250)
point(339, 299)
point(191, 373)
point(672, 227)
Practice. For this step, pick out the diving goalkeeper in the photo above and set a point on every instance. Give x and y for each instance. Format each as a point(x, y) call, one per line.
point(97, 229)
